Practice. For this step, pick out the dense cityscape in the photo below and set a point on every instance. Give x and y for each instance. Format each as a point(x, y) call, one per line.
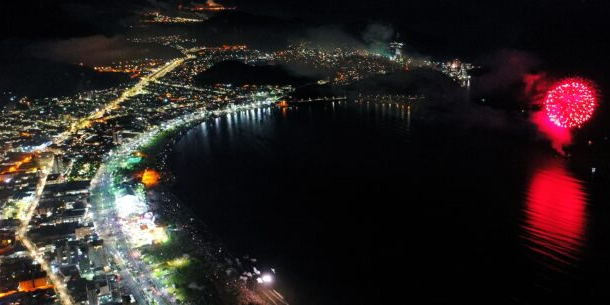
point(87, 211)
point(82, 221)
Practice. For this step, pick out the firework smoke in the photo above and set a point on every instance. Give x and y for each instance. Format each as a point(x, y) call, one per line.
point(565, 104)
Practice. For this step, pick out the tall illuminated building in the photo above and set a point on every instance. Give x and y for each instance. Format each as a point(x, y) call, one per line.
point(395, 50)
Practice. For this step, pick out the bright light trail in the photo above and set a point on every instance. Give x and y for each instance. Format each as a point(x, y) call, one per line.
point(60, 287)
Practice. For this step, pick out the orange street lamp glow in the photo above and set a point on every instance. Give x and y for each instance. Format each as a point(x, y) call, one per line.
point(150, 177)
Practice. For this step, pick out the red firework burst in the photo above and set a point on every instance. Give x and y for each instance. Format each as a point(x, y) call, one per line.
point(570, 102)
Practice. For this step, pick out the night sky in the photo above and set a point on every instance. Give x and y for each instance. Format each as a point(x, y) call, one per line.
point(564, 34)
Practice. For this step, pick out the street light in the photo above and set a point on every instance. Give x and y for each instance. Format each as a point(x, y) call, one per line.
point(267, 278)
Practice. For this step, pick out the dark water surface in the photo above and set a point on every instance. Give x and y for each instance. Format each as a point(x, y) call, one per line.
point(365, 204)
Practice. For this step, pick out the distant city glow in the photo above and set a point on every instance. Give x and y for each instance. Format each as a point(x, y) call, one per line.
point(570, 102)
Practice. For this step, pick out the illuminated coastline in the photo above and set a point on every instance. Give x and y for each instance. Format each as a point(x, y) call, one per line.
point(137, 231)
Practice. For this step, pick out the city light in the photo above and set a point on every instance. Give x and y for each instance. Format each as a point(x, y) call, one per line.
point(556, 213)
point(129, 205)
point(101, 147)
point(267, 278)
point(178, 262)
